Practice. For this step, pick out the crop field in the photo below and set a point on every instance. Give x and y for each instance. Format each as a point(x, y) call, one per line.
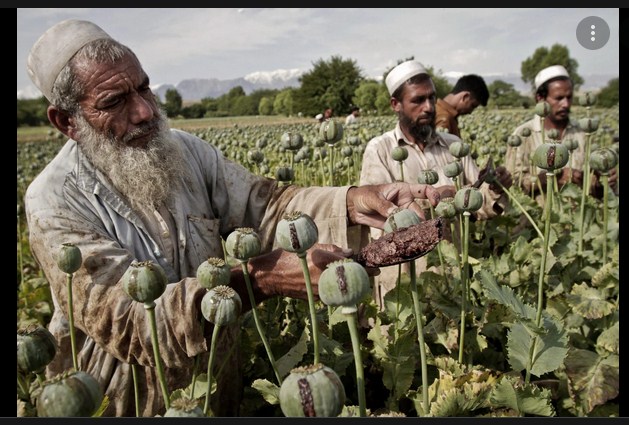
point(518, 318)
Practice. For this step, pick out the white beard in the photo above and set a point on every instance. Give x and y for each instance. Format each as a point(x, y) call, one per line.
point(147, 176)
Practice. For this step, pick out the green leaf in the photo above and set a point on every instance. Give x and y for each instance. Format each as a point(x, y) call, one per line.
point(550, 347)
point(609, 339)
point(504, 295)
point(593, 380)
point(526, 399)
point(101, 409)
point(295, 355)
point(444, 331)
point(589, 302)
point(269, 391)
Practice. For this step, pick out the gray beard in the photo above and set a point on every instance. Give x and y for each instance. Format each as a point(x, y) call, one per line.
point(147, 177)
point(419, 132)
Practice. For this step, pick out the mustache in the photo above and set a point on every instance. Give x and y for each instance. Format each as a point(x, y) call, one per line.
point(142, 130)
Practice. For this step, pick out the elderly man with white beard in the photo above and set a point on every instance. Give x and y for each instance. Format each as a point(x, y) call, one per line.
point(126, 188)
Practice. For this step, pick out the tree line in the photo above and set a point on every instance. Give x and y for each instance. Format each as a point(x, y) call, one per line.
point(339, 84)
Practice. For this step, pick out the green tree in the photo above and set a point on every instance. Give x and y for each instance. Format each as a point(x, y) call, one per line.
point(330, 84)
point(196, 110)
point(544, 57)
point(283, 103)
point(172, 103)
point(366, 95)
point(610, 94)
point(503, 94)
point(32, 112)
point(265, 107)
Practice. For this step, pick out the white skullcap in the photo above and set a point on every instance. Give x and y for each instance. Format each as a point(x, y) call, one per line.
point(318, 116)
point(398, 75)
point(549, 73)
point(54, 49)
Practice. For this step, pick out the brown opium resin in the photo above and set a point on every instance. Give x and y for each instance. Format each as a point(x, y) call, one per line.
point(402, 245)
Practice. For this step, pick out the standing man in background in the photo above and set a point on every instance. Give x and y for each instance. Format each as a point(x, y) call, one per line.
point(353, 115)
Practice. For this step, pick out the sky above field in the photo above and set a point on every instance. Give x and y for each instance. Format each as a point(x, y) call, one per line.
point(175, 44)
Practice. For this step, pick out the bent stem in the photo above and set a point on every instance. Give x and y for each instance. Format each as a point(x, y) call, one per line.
point(311, 306)
point(350, 313)
point(75, 362)
point(420, 336)
point(210, 363)
point(150, 308)
point(526, 214)
point(256, 319)
point(542, 270)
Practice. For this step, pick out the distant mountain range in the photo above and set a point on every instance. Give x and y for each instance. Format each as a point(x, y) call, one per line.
point(193, 90)
point(196, 89)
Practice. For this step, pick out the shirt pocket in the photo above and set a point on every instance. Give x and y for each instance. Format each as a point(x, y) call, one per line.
point(205, 239)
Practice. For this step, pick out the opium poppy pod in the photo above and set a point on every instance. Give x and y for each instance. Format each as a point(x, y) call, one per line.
point(144, 281)
point(587, 99)
point(69, 258)
point(603, 160)
point(292, 141)
point(401, 218)
point(589, 125)
point(184, 407)
point(446, 208)
point(459, 149)
point(551, 156)
point(213, 272)
point(330, 131)
point(453, 169)
point(427, 177)
point(243, 243)
point(468, 199)
point(36, 347)
point(221, 305)
point(514, 140)
point(71, 394)
point(296, 232)
point(312, 391)
point(399, 153)
point(343, 283)
point(542, 109)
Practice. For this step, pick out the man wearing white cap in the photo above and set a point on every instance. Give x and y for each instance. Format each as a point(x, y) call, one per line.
point(413, 99)
point(554, 86)
point(127, 188)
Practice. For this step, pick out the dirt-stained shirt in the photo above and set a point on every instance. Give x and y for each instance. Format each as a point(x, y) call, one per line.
point(72, 202)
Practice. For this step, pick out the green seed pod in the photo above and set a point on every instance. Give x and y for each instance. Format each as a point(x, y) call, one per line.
point(312, 391)
point(36, 347)
point(446, 208)
point(331, 132)
point(399, 153)
point(502, 150)
point(347, 151)
point(343, 283)
point(255, 156)
point(453, 169)
point(221, 305)
point(468, 199)
point(459, 149)
point(353, 141)
point(69, 258)
point(525, 132)
point(213, 272)
point(243, 243)
point(292, 141)
point(603, 160)
point(184, 407)
point(514, 140)
point(72, 394)
point(553, 134)
point(401, 218)
point(296, 232)
point(570, 144)
point(551, 156)
point(587, 99)
point(285, 174)
point(542, 109)
point(144, 281)
point(484, 150)
point(427, 177)
point(589, 125)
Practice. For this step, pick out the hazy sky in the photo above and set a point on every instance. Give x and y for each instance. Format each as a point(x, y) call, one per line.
point(180, 43)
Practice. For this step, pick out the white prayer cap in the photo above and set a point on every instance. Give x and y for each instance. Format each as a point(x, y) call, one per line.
point(548, 73)
point(398, 75)
point(318, 116)
point(54, 49)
